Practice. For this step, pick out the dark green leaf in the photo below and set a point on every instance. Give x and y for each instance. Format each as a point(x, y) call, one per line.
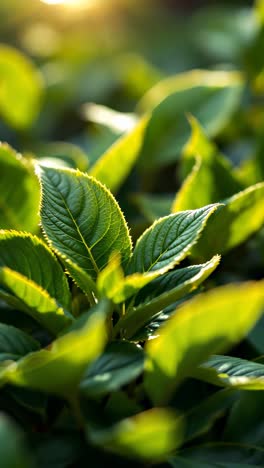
point(233, 372)
point(13, 453)
point(169, 240)
point(82, 220)
point(121, 363)
point(211, 96)
point(14, 343)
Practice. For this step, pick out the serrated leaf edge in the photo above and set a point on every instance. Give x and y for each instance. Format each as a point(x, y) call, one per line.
point(77, 173)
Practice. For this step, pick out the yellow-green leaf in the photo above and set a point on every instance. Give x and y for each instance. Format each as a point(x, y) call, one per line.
point(59, 369)
point(208, 324)
point(211, 179)
point(114, 165)
point(151, 435)
point(21, 88)
point(164, 291)
point(16, 171)
point(112, 282)
point(239, 217)
point(34, 279)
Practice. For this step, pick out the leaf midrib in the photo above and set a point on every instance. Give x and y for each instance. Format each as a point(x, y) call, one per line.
point(80, 234)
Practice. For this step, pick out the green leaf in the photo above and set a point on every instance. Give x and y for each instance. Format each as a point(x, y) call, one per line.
point(26, 296)
point(31, 400)
point(17, 172)
point(183, 281)
point(82, 279)
point(81, 220)
point(21, 88)
point(31, 272)
point(59, 369)
point(14, 343)
point(151, 435)
point(245, 422)
point(179, 462)
point(224, 455)
point(121, 363)
point(201, 417)
point(239, 217)
point(211, 96)
point(30, 256)
point(112, 282)
point(151, 329)
point(115, 164)
point(209, 323)
point(13, 453)
point(212, 172)
point(229, 371)
point(164, 291)
point(169, 240)
point(260, 9)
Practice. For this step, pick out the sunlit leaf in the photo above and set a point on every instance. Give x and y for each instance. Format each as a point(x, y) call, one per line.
point(211, 179)
point(238, 218)
point(209, 323)
point(113, 283)
point(31, 273)
point(151, 435)
point(169, 240)
point(81, 220)
point(115, 164)
point(17, 172)
point(21, 88)
point(164, 291)
point(72, 353)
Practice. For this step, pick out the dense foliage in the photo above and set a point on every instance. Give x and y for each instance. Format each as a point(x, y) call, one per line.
point(131, 244)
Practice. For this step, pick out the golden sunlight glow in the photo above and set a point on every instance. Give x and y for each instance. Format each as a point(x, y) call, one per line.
point(72, 3)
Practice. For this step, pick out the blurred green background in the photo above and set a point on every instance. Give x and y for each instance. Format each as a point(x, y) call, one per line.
point(111, 52)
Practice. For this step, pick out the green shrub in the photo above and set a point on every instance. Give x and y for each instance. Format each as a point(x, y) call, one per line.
point(131, 298)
